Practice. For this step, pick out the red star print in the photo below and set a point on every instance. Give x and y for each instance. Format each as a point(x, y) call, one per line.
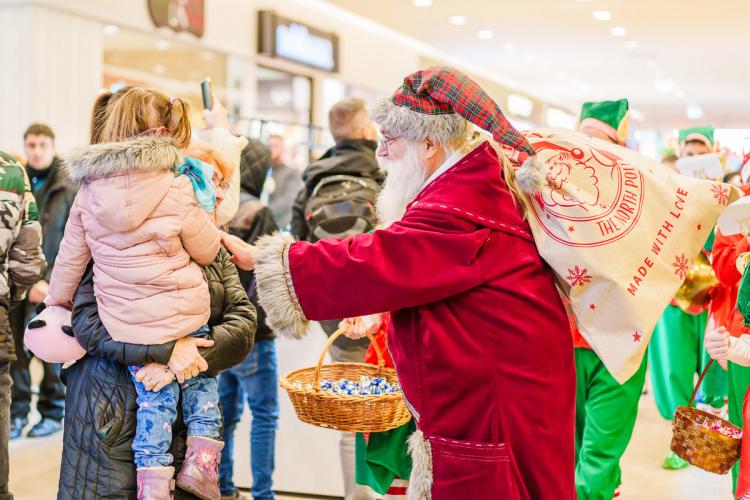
point(571, 229)
point(592, 307)
point(637, 337)
point(700, 226)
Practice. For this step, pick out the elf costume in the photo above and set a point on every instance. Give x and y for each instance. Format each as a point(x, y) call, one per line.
point(382, 458)
point(605, 410)
point(608, 117)
point(724, 311)
point(676, 353)
point(478, 332)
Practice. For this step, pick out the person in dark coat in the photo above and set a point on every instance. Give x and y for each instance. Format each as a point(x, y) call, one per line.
point(255, 379)
point(100, 421)
point(54, 196)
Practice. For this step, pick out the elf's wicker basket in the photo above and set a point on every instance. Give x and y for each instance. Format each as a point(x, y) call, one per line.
point(694, 439)
point(376, 413)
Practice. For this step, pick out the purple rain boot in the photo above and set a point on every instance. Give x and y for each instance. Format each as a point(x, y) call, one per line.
point(199, 474)
point(155, 483)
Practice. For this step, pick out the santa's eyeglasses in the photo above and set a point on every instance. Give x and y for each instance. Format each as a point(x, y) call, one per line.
point(383, 143)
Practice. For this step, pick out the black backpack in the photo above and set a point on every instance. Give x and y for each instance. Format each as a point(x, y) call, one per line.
point(341, 206)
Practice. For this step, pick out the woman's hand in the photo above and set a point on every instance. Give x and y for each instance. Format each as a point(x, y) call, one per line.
point(358, 327)
point(243, 254)
point(154, 377)
point(186, 362)
point(217, 117)
point(717, 343)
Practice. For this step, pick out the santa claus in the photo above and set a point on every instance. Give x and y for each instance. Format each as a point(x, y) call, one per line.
point(478, 334)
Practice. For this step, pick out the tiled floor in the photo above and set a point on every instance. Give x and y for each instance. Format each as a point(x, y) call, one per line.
point(34, 467)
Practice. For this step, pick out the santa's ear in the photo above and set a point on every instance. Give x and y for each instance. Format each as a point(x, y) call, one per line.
point(430, 148)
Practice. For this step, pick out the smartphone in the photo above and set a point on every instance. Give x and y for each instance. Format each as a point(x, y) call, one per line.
point(207, 92)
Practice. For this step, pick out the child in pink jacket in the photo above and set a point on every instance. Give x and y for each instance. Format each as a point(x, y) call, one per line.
point(143, 227)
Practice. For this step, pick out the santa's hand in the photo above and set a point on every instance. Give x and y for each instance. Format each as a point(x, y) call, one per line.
point(358, 327)
point(243, 254)
point(717, 343)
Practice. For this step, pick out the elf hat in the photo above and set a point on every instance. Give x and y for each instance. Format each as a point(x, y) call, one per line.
point(428, 102)
point(704, 134)
point(611, 117)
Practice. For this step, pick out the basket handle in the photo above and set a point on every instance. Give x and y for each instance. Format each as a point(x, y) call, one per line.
point(331, 340)
point(700, 380)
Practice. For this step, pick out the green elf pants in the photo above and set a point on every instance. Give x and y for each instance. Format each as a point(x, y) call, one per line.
point(739, 381)
point(605, 417)
point(675, 355)
point(384, 457)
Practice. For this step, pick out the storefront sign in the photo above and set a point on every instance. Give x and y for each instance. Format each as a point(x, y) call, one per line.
point(297, 42)
point(179, 15)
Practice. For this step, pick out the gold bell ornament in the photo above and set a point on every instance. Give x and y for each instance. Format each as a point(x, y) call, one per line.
point(695, 293)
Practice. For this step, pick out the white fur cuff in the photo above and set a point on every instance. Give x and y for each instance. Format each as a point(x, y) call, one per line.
point(420, 482)
point(275, 288)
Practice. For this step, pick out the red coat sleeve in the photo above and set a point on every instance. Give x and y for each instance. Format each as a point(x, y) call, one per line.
point(422, 259)
point(725, 251)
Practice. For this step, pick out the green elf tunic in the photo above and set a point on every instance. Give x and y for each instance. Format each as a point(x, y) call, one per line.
point(605, 410)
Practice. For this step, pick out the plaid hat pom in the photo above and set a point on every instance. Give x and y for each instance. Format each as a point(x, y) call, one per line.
point(531, 175)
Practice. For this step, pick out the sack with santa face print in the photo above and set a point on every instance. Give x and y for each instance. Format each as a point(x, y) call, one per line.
point(620, 231)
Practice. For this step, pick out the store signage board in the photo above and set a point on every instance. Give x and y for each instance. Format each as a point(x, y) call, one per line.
point(179, 15)
point(297, 42)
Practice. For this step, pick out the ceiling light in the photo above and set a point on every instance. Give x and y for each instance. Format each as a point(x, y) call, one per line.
point(636, 115)
point(631, 45)
point(509, 46)
point(602, 15)
point(618, 31)
point(160, 69)
point(664, 85)
point(485, 34)
point(162, 45)
point(422, 3)
point(694, 112)
point(457, 20)
point(111, 30)
point(530, 58)
point(562, 75)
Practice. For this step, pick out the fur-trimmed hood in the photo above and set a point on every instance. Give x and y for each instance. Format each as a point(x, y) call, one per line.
point(141, 154)
point(124, 182)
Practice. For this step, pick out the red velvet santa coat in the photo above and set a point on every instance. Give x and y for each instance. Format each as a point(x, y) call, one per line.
point(478, 333)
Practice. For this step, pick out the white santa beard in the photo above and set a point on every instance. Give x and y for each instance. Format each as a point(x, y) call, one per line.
point(404, 181)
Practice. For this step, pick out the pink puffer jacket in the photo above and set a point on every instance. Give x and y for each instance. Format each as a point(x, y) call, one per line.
point(147, 235)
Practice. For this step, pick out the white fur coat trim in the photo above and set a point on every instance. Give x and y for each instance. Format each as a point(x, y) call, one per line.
point(276, 289)
point(420, 481)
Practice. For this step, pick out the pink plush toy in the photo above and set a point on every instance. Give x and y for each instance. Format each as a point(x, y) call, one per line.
point(48, 341)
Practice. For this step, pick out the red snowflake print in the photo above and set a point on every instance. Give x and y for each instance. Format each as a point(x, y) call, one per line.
point(721, 193)
point(592, 307)
point(571, 229)
point(700, 226)
point(578, 276)
point(680, 265)
point(637, 336)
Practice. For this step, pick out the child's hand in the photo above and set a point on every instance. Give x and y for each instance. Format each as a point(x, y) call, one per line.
point(358, 327)
point(186, 362)
point(154, 377)
point(717, 343)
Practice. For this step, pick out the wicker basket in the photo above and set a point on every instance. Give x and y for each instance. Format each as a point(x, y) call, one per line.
point(376, 413)
point(694, 440)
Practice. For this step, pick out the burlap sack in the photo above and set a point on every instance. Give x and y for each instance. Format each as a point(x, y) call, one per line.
point(620, 231)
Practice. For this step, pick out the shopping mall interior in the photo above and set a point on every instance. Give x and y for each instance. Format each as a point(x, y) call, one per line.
point(278, 67)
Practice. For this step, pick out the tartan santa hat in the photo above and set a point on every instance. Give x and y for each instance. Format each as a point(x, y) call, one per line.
point(438, 102)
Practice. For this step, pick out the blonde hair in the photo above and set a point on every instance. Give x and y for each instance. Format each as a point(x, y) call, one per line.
point(141, 110)
point(212, 156)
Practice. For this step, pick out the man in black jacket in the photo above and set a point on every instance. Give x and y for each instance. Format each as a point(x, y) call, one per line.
point(353, 155)
point(54, 197)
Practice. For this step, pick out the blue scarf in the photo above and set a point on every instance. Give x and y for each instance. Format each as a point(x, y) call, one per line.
point(200, 174)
